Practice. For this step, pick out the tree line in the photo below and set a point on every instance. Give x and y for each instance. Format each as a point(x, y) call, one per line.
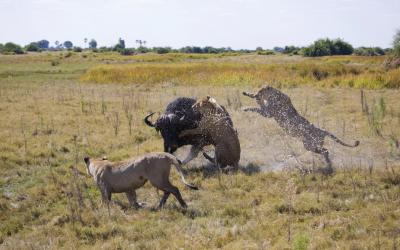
point(320, 47)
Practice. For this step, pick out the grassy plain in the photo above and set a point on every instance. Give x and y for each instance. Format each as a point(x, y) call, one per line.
point(57, 107)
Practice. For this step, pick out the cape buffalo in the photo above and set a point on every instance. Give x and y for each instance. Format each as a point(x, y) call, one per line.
point(178, 116)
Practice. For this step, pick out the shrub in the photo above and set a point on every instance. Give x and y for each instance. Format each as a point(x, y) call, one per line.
point(104, 49)
point(162, 50)
point(32, 47)
point(369, 51)
point(340, 47)
point(327, 47)
point(265, 52)
point(12, 48)
point(126, 52)
point(291, 50)
point(77, 49)
point(301, 242)
point(55, 63)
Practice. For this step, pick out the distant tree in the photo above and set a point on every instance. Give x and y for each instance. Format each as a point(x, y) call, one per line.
point(369, 51)
point(140, 42)
point(32, 47)
point(142, 49)
point(265, 52)
point(327, 47)
point(1, 47)
point(162, 50)
point(210, 50)
point(43, 44)
point(279, 49)
point(121, 43)
point(68, 44)
point(197, 49)
point(291, 50)
point(340, 47)
point(119, 46)
point(92, 44)
point(259, 49)
point(12, 48)
point(126, 52)
point(85, 40)
point(186, 49)
point(396, 43)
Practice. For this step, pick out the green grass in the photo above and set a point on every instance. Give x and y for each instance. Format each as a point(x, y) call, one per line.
point(49, 120)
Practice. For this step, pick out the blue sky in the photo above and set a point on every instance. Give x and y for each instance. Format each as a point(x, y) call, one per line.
point(218, 23)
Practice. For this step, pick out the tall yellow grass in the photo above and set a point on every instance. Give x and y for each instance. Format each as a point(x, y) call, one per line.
point(208, 73)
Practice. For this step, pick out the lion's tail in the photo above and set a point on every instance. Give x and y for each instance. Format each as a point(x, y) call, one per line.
point(177, 163)
point(356, 143)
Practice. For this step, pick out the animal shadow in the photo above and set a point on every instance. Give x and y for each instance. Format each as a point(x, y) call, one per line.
point(209, 170)
point(250, 169)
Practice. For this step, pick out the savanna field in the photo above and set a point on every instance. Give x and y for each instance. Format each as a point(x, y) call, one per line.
point(56, 108)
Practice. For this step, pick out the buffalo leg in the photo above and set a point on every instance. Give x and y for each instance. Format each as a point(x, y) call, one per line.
point(209, 157)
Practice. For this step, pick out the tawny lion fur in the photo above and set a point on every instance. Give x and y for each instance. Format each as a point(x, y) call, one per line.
point(127, 176)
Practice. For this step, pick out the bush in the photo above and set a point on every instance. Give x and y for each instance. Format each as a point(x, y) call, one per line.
point(1, 47)
point(340, 47)
point(369, 51)
point(77, 49)
point(12, 48)
point(126, 52)
point(104, 49)
point(327, 47)
point(291, 50)
point(34, 47)
point(265, 52)
point(55, 63)
point(162, 50)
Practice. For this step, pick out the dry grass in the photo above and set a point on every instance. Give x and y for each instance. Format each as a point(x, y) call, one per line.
point(334, 72)
point(50, 121)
